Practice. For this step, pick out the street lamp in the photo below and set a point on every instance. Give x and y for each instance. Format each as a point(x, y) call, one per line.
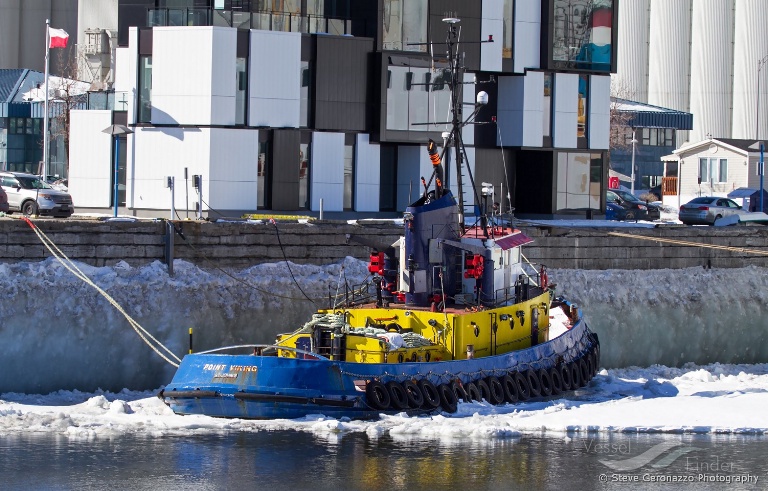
point(116, 130)
point(634, 142)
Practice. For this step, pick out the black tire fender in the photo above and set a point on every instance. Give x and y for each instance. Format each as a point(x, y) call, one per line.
point(533, 382)
point(448, 400)
point(557, 381)
point(566, 376)
point(473, 393)
point(458, 390)
point(415, 396)
point(430, 393)
point(545, 382)
point(523, 388)
point(510, 388)
point(485, 391)
point(398, 397)
point(377, 395)
point(496, 390)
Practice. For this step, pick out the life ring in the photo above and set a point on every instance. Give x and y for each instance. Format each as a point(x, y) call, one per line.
point(430, 393)
point(473, 393)
point(557, 381)
point(565, 376)
point(398, 398)
point(543, 278)
point(534, 384)
point(510, 388)
point(523, 389)
point(496, 390)
point(377, 395)
point(415, 396)
point(458, 390)
point(485, 391)
point(573, 367)
point(448, 400)
point(545, 382)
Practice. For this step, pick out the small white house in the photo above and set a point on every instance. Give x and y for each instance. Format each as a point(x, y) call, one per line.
point(712, 167)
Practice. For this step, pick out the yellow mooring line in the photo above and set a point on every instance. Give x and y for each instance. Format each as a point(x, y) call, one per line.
point(691, 244)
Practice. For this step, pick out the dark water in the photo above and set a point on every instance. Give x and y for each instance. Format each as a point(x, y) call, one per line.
point(278, 460)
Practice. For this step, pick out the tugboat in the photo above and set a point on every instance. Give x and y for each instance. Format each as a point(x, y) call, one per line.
point(450, 314)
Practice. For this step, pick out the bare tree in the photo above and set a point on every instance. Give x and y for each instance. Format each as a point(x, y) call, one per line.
point(65, 93)
point(621, 131)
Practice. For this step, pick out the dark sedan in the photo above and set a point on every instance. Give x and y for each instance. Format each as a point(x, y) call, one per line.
point(637, 208)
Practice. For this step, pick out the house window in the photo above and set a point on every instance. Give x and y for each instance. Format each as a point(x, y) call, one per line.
point(723, 176)
point(713, 170)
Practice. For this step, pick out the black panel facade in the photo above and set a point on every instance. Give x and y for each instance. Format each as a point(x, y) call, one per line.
point(285, 169)
point(470, 14)
point(131, 13)
point(535, 182)
point(342, 85)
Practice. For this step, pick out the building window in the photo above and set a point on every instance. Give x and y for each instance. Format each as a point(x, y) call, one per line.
point(579, 176)
point(145, 90)
point(305, 94)
point(416, 96)
point(349, 173)
point(582, 34)
point(241, 81)
point(547, 109)
point(388, 178)
point(263, 187)
point(405, 23)
point(304, 162)
point(506, 48)
point(583, 106)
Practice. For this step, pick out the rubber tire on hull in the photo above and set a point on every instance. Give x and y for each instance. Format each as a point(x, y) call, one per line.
point(496, 390)
point(458, 390)
point(565, 376)
point(573, 367)
point(584, 371)
point(415, 396)
point(590, 365)
point(545, 382)
point(448, 400)
point(473, 393)
point(523, 389)
point(593, 360)
point(431, 395)
point(510, 388)
point(398, 397)
point(534, 384)
point(485, 391)
point(557, 381)
point(377, 395)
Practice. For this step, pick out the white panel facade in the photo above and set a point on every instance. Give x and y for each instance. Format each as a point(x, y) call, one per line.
point(599, 112)
point(527, 35)
point(233, 175)
point(275, 79)
point(90, 159)
point(469, 98)
point(182, 73)
point(129, 81)
point(367, 173)
point(492, 24)
point(565, 110)
point(711, 67)
point(224, 76)
point(410, 167)
point(157, 153)
point(520, 110)
point(327, 169)
point(669, 55)
point(632, 57)
point(751, 44)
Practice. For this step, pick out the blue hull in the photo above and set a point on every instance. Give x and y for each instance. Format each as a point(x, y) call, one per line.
point(270, 387)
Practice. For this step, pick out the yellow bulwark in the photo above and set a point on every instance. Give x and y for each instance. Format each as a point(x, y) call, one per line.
point(434, 336)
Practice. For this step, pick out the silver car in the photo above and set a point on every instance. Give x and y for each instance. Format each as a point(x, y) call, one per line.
point(31, 195)
point(705, 210)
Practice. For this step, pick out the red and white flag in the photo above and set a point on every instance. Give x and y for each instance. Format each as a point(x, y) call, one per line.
point(58, 38)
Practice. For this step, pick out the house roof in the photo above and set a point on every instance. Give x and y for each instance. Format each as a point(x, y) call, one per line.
point(744, 147)
point(643, 115)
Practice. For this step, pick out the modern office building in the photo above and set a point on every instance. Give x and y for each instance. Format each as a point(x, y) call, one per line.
point(293, 105)
point(705, 57)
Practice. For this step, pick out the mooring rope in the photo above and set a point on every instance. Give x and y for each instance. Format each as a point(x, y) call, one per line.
point(691, 244)
point(72, 268)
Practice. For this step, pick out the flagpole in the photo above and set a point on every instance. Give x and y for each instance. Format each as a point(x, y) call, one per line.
point(45, 119)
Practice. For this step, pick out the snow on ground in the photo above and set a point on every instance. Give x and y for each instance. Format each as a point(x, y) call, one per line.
point(693, 399)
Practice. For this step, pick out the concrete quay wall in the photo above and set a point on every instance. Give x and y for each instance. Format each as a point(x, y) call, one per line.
point(243, 244)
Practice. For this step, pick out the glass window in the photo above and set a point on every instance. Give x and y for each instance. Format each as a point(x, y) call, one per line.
point(145, 89)
point(349, 176)
point(703, 169)
point(579, 176)
point(412, 101)
point(262, 186)
point(305, 94)
point(241, 80)
point(506, 48)
point(581, 34)
point(547, 109)
point(583, 105)
point(304, 162)
point(388, 178)
point(405, 21)
point(723, 170)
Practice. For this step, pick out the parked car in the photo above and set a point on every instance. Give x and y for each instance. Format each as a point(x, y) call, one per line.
point(31, 195)
point(615, 211)
point(637, 208)
point(704, 210)
point(3, 201)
